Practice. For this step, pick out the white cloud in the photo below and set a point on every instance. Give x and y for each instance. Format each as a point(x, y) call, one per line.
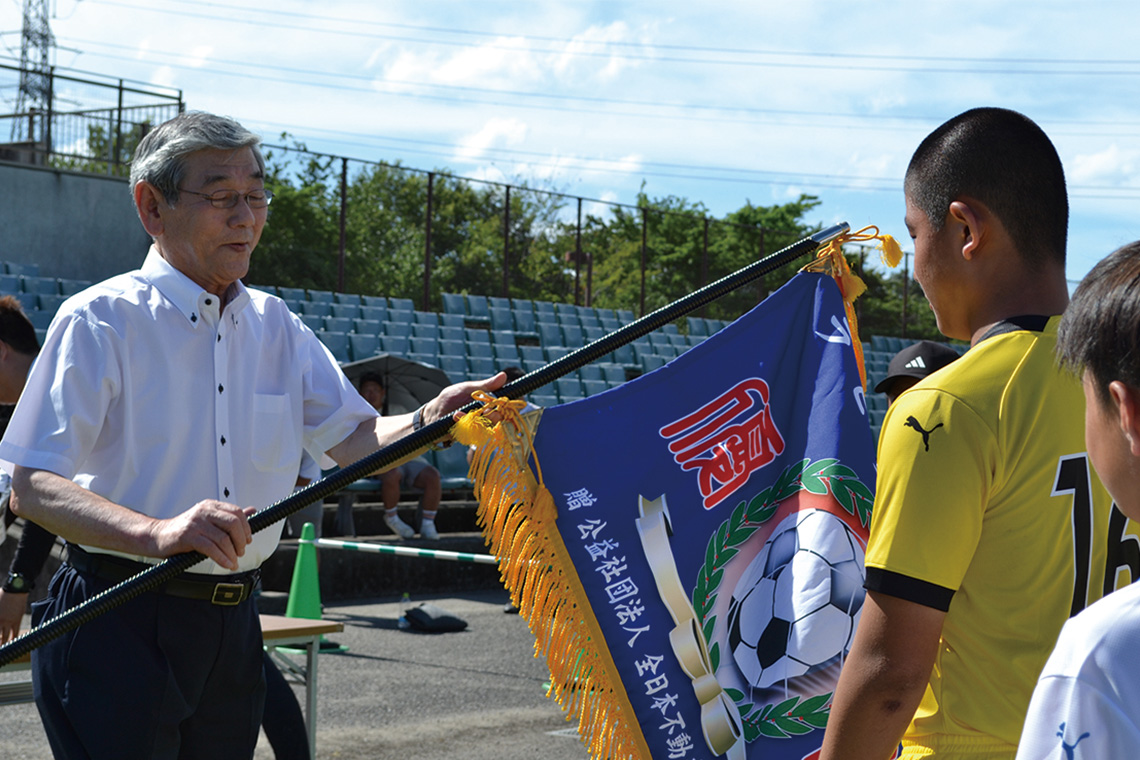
point(495, 133)
point(1110, 166)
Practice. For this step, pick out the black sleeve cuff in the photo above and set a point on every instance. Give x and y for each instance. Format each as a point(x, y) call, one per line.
point(911, 589)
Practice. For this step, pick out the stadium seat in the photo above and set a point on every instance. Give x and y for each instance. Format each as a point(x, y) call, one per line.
point(650, 362)
point(425, 318)
point(609, 323)
point(625, 316)
point(324, 296)
point(455, 367)
point(554, 353)
point(569, 388)
point(430, 360)
point(395, 344)
point(476, 335)
point(450, 332)
point(697, 326)
point(401, 304)
point(71, 287)
point(314, 323)
point(572, 336)
point(50, 302)
point(337, 343)
point(425, 346)
point(38, 285)
point(9, 283)
point(502, 319)
point(346, 310)
point(613, 373)
point(532, 353)
point(363, 346)
point(679, 341)
point(338, 324)
point(291, 294)
point(624, 355)
point(400, 315)
point(476, 349)
point(452, 320)
point(496, 302)
point(480, 366)
point(425, 331)
point(544, 399)
point(374, 301)
point(452, 465)
point(590, 372)
point(592, 387)
point(452, 347)
point(347, 299)
point(549, 334)
point(454, 303)
point(41, 319)
point(402, 329)
point(670, 328)
point(30, 270)
point(316, 308)
point(506, 354)
point(378, 313)
point(594, 333)
point(544, 309)
point(477, 306)
point(366, 326)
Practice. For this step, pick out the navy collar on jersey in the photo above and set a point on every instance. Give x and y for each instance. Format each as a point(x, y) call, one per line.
point(1031, 322)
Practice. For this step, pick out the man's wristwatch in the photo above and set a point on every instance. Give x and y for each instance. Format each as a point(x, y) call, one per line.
point(17, 583)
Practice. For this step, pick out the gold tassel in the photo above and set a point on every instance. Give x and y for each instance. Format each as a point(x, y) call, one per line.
point(517, 515)
point(830, 260)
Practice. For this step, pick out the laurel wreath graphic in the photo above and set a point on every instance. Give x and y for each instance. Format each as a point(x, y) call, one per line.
point(792, 717)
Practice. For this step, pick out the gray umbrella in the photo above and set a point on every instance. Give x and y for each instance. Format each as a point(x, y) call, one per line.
point(409, 384)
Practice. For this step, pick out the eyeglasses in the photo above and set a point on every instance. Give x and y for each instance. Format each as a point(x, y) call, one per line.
point(229, 198)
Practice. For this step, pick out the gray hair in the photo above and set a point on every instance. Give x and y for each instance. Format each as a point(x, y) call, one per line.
point(160, 156)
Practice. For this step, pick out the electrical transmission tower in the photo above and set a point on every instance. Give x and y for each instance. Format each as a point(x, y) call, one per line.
point(36, 42)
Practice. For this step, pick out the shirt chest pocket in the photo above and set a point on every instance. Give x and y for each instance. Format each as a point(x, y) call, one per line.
point(275, 439)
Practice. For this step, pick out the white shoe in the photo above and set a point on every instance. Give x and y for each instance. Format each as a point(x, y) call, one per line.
point(428, 531)
point(398, 526)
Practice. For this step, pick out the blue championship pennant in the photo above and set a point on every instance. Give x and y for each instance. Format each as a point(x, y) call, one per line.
point(716, 511)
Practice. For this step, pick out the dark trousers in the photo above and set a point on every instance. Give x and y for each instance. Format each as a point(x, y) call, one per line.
point(160, 677)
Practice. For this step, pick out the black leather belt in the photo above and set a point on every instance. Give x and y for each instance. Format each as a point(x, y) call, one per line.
point(224, 590)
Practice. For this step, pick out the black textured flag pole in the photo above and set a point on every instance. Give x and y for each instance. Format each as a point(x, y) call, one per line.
point(156, 576)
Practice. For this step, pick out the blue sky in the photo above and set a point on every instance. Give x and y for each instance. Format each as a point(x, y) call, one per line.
point(719, 103)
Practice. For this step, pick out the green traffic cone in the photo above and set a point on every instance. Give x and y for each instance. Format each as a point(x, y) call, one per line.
point(305, 588)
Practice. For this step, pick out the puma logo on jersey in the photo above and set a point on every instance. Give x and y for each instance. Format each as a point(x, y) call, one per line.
point(1070, 750)
point(914, 423)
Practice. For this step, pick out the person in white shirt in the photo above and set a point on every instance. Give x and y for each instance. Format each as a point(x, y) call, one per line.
point(167, 405)
point(1087, 700)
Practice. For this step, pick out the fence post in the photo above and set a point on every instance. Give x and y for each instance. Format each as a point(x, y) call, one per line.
point(118, 130)
point(578, 257)
point(343, 223)
point(427, 243)
point(644, 249)
point(507, 244)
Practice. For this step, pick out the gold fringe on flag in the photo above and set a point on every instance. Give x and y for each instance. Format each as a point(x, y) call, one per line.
point(517, 515)
point(830, 260)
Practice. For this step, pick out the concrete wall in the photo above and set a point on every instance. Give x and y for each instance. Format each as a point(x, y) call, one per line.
point(78, 226)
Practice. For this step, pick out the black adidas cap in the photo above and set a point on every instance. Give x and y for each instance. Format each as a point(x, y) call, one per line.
point(917, 360)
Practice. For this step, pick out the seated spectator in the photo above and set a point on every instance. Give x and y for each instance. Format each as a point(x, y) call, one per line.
point(415, 473)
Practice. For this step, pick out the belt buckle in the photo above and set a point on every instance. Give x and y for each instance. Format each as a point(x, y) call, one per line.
point(227, 594)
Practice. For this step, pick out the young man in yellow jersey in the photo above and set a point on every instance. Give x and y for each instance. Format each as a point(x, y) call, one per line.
point(988, 528)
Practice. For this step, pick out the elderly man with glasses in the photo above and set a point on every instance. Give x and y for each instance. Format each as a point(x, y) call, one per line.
point(167, 405)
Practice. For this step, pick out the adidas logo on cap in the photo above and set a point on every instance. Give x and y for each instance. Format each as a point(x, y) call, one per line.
point(916, 363)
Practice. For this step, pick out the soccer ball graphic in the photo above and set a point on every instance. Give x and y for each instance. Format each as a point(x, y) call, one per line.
point(796, 606)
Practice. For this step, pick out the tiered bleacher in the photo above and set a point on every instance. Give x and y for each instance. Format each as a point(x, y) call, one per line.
point(40, 296)
point(476, 336)
point(472, 338)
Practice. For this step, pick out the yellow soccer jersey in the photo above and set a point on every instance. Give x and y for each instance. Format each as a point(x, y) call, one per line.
point(986, 508)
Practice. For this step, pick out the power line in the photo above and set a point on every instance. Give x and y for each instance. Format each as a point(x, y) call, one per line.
point(846, 64)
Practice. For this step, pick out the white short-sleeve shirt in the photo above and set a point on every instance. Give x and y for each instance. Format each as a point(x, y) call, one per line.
point(1087, 700)
point(148, 395)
